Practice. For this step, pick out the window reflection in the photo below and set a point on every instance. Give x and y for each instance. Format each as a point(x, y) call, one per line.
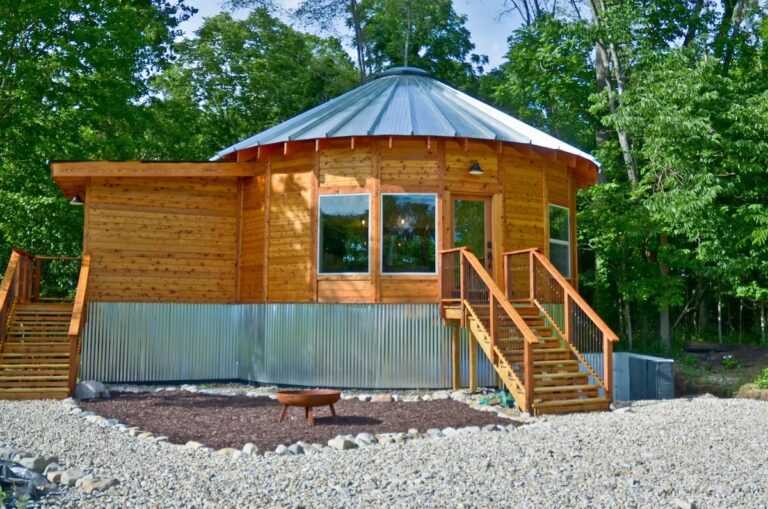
point(343, 236)
point(408, 233)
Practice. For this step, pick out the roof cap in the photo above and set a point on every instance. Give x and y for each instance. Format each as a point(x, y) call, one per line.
point(396, 71)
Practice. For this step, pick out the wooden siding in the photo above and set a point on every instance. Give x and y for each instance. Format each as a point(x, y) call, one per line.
point(164, 239)
point(288, 252)
point(523, 203)
point(252, 240)
point(253, 237)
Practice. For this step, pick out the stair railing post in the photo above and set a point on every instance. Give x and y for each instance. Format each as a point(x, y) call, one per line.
point(532, 273)
point(608, 366)
point(38, 275)
point(494, 329)
point(568, 322)
point(462, 285)
point(528, 374)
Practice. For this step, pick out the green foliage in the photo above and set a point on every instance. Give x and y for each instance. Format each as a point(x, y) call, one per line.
point(762, 379)
point(239, 77)
point(71, 78)
point(730, 362)
point(438, 41)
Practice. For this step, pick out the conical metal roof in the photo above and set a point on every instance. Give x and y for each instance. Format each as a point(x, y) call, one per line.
point(405, 101)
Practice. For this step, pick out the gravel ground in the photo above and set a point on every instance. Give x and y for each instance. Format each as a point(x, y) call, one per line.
point(711, 452)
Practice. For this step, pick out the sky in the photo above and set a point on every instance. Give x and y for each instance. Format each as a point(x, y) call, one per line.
point(489, 33)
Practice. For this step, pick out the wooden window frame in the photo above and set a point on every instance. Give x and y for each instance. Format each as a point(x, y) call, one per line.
point(319, 244)
point(559, 242)
point(381, 236)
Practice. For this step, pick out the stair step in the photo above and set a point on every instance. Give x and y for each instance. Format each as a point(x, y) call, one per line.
point(570, 405)
point(34, 393)
point(562, 388)
point(560, 376)
point(4, 378)
point(38, 347)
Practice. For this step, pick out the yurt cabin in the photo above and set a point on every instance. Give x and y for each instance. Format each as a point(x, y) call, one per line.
point(402, 235)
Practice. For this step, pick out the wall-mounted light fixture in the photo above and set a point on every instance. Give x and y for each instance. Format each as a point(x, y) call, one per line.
point(76, 200)
point(475, 169)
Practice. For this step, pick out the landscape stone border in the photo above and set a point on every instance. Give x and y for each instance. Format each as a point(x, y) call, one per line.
point(338, 443)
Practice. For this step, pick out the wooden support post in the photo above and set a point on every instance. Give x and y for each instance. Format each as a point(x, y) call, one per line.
point(472, 363)
point(456, 356)
point(608, 367)
point(528, 374)
point(494, 330)
point(532, 272)
point(38, 274)
point(462, 285)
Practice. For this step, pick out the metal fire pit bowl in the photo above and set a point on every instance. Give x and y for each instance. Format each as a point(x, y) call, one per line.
point(308, 399)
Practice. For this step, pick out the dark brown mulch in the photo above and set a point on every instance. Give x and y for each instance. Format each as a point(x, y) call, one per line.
point(233, 421)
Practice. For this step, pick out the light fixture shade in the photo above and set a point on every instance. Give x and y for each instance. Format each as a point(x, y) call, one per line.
point(76, 200)
point(475, 169)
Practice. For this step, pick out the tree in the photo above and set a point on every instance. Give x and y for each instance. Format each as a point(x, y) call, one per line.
point(71, 78)
point(239, 77)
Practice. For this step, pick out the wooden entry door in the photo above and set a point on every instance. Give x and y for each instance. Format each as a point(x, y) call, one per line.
point(471, 227)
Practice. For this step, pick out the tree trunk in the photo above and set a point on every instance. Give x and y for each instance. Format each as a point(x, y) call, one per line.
point(628, 321)
point(665, 334)
point(407, 32)
point(762, 321)
point(607, 53)
point(693, 24)
point(703, 317)
point(360, 46)
point(720, 319)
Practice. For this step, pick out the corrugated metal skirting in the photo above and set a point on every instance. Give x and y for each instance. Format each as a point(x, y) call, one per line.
point(333, 345)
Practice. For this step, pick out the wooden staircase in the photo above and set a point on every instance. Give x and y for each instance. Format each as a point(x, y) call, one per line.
point(34, 359)
point(39, 340)
point(538, 361)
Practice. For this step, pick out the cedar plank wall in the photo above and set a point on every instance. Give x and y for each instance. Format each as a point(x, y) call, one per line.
point(161, 240)
point(343, 170)
point(252, 239)
point(289, 229)
point(175, 240)
point(409, 166)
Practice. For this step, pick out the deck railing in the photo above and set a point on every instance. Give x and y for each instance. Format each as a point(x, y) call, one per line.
point(17, 286)
point(531, 277)
point(22, 283)
point(465, 282)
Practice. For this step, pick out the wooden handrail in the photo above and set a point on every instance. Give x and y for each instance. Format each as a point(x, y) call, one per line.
point(577, 299)
point(500, 297)
point(453, 250)
point(570, 291)
point(10, 272)
point(520, 251)
point(79, 313)
point(78, 308)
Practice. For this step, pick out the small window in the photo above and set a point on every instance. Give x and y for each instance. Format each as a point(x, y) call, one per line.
point(343, 237)
point(560, 239)
point(409, 233)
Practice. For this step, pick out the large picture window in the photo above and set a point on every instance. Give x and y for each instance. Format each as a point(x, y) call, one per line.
point(409, 233)
point(560, 239)
point(343, 235)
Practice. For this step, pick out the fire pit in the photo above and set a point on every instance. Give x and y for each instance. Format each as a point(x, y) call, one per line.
point(308, 399)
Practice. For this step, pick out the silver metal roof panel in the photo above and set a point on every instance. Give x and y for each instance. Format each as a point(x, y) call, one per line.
point(404, 101)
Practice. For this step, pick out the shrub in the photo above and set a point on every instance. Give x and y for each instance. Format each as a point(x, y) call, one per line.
point(762, 380)
point(729, 362)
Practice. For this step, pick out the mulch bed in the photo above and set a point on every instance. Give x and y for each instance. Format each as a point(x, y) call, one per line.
point(233, 421)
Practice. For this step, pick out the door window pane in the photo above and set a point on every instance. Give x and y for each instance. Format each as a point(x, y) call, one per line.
point(558, 223)
point(469, 226)
point(408, 233)
point(343, 236)
point(560, 239)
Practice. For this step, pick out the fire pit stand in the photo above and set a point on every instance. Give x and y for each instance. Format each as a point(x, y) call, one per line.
point(309, 399)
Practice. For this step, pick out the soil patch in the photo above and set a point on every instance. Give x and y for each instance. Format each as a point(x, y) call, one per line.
point(703, 370)
point(233, 421)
